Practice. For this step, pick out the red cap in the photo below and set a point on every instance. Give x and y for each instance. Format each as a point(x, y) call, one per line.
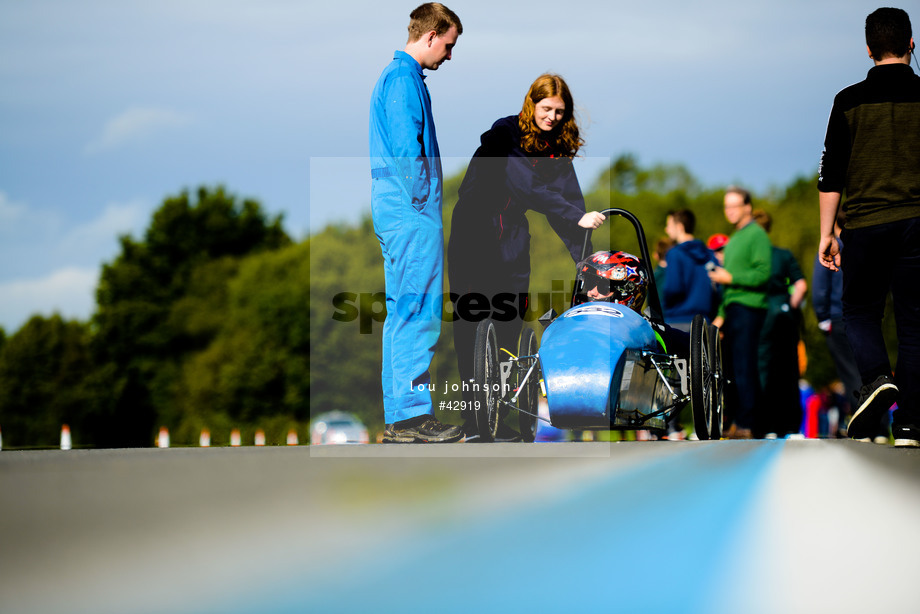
point(717, 242)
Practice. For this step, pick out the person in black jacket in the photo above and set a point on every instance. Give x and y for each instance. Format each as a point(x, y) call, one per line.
point(523, 162)
point(871, 153)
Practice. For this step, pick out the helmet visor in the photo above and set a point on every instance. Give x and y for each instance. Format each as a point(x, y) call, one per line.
point(603, 285)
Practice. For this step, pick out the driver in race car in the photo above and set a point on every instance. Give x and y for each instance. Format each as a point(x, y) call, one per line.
point(616, 277)
point(619, 277)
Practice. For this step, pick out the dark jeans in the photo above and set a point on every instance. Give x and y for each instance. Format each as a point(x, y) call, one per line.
point(845, 361)
point(876, 260)
point(839, 346)
point(779, 369)
point(742, 337)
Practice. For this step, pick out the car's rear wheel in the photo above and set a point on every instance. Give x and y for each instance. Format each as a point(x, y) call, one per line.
point(487, 380)
point(529, 390)
point(701, 378)
point(716, 379)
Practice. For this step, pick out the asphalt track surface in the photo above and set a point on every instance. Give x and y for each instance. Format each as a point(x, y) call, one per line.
point(725, 526)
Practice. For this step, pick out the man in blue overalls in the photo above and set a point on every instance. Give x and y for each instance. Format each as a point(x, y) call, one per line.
point(406, 206)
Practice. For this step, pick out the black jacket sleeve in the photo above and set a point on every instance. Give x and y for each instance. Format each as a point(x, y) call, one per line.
point(836, 155)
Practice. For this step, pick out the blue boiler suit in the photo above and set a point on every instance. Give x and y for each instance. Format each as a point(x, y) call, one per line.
point(406, 194)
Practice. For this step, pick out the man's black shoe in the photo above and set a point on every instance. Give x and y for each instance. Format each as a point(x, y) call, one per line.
point(423, 429)
point(907, 436)
point(873, 400)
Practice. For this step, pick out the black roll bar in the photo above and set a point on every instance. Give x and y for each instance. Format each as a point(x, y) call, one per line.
point(654, 303)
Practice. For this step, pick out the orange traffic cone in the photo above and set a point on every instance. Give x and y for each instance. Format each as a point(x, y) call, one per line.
point(163, 438)
point(235, 439)
point(260, 437)
point(292, 438)
point(205, 439)
point(66, 442)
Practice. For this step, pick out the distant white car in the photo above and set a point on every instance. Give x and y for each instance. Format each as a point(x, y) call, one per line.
point(336, 427)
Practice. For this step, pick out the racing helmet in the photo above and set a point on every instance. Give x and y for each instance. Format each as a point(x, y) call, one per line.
point(618, 276)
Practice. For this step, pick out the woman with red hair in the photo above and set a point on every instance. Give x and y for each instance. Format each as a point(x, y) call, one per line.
point(524, 162)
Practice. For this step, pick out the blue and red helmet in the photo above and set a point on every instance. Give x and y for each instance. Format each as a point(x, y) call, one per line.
point(619, 277)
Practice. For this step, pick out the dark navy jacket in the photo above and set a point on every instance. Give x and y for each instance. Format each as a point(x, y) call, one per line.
point(489, 231)
point(687, 287)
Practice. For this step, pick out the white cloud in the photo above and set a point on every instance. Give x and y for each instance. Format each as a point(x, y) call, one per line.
point(69, 291)
point(117, 219)
point(10, 211)
point(136, 124)
point(49, 263)
point(41, 239)
point(26, 233)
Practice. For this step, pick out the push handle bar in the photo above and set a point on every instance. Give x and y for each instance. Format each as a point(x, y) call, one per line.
point(654, 303)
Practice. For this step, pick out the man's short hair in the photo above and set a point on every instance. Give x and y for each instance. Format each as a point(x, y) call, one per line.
point(432, 16)
point(685, 218)
point(733, 189)
point(888, 33)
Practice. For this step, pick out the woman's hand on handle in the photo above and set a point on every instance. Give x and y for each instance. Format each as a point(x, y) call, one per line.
point(592, 219)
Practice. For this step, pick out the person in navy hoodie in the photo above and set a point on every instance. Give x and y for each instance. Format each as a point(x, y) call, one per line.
point(687, 288)
point(524, 162)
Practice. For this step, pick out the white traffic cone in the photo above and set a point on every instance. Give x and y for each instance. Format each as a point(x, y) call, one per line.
point(292, 438)
point(163, 438)
point(66, 442)
point(1, 440)
point(260, 437)
point(235, 438)
point(204, 440)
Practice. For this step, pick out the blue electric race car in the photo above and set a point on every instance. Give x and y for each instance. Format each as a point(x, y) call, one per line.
point(602, 365)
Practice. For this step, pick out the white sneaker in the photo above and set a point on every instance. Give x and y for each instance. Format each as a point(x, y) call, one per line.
point(906, 436)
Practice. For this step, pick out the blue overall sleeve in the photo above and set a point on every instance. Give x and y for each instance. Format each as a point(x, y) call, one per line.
point(406, 116)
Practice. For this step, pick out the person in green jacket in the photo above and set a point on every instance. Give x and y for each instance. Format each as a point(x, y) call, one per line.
point(748, 264)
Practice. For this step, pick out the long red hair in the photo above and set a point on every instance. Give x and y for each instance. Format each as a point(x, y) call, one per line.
point(563, 139)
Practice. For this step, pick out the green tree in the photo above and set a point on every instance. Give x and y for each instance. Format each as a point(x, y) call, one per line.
point(347, 308)
point(45, 381)
point(255, 370)
point(145, 324)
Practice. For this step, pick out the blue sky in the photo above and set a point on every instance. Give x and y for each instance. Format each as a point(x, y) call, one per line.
point(107, 106)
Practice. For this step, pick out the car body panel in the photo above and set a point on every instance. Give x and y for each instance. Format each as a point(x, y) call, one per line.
point(583, 355)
